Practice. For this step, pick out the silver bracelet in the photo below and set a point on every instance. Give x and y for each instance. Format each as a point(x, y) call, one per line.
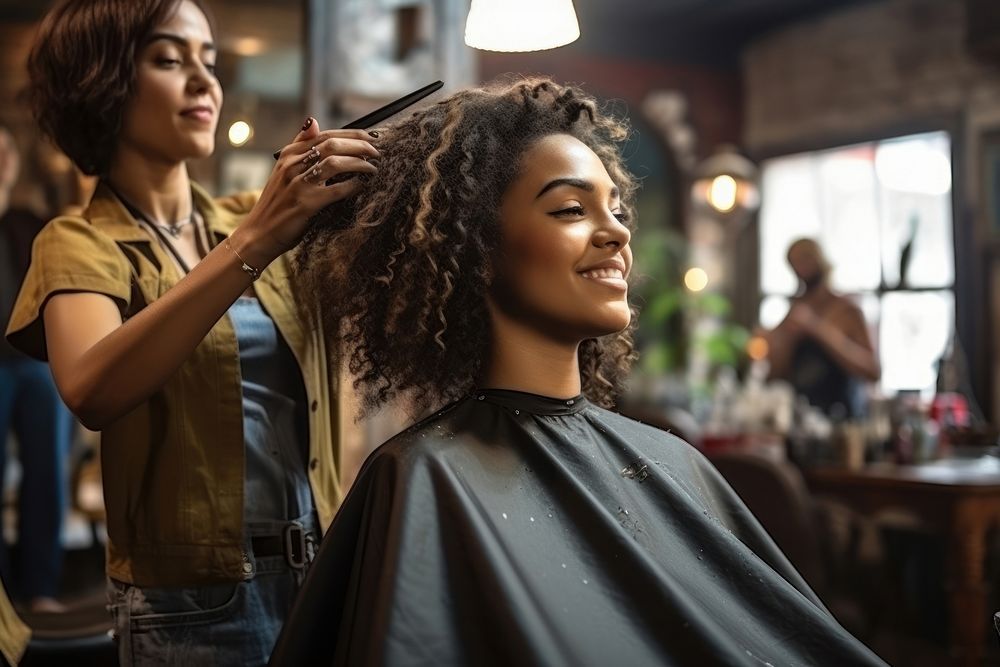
point(246, 268)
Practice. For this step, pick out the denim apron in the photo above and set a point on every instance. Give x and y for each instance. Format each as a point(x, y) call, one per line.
point(238, 623)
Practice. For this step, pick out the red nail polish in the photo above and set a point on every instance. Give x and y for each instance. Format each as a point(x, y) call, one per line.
point(305, 125)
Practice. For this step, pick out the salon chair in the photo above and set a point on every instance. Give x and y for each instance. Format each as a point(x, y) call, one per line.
point(820, 538)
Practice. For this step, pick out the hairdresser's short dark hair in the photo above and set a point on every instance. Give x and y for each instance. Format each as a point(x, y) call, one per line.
point(82, 71)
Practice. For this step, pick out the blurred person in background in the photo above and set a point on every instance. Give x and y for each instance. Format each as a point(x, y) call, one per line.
point(211, 389)
point(30, 407)
point(822, 347)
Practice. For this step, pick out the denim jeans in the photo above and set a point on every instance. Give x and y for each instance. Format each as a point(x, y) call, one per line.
point(236, 623)
point(217, 624)
point(30, 405)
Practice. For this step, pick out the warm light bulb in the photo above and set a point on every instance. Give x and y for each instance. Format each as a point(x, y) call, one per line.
point(248, 46)
point(521, 25)
point(757, 348)
point(722, 193)
point(240, 132)
point(696, 279)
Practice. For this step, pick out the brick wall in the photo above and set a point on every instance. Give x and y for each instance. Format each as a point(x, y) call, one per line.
point(869, 67)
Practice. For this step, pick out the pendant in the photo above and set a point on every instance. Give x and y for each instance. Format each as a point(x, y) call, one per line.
point(175, 230)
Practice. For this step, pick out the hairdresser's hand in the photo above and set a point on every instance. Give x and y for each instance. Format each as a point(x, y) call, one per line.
point(803, 320)
point(297, 189)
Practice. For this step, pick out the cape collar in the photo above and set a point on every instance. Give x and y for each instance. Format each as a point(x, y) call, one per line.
point(532, 403)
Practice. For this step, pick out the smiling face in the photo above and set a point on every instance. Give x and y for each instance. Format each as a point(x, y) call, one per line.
point(564, 256)
point(174, 110)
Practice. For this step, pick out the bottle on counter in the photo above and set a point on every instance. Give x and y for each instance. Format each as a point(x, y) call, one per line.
point(878, 430)
point(915, 435)
point(809, 440)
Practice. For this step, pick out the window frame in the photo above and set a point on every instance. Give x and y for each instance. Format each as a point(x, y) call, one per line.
point(970, 285)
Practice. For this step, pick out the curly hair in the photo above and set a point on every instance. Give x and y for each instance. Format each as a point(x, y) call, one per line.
point(82, 72)
point(402, 269)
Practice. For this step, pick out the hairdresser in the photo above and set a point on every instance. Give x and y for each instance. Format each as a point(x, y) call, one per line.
point(172, 325)
point(822, 347)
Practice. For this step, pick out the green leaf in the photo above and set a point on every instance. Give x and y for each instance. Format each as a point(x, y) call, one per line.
point(663, 306)
point(657, 359)
point(714, 304)
point(738, 336)
point(720, 351)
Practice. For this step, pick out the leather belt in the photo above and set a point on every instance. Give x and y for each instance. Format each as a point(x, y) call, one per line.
point(296, 544)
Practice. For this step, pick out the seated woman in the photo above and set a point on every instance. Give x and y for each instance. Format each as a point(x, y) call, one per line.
point(484, 266)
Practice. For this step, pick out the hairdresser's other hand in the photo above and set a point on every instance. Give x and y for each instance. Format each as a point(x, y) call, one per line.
point(297, 189)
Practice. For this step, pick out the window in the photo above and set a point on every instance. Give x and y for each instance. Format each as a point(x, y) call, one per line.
point(882, 212)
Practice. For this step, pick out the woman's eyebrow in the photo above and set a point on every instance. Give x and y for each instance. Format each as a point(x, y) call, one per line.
point(177, 39)
point(572, 182)
point(580, 183)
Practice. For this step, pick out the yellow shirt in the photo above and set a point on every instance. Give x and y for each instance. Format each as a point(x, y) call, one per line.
point(173, 467)
point(14, 634)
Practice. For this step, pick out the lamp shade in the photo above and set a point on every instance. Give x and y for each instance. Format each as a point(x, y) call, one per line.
point(521, 25)
point(726, 183)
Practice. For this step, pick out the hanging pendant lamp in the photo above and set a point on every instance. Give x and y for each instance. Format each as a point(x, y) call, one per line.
point(521, 25)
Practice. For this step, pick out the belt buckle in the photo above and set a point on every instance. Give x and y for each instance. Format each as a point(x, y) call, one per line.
point(296, 551)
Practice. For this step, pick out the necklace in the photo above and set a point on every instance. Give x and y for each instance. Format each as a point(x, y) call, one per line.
point(175, 228)
point(200, 237)
point(172, 228)
point(201, 234)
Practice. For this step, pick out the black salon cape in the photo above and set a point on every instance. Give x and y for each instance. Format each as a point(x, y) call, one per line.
point(513, 529)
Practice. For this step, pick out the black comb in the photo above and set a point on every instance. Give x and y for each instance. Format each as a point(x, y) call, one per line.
point(393, 108)
point(389, 110)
